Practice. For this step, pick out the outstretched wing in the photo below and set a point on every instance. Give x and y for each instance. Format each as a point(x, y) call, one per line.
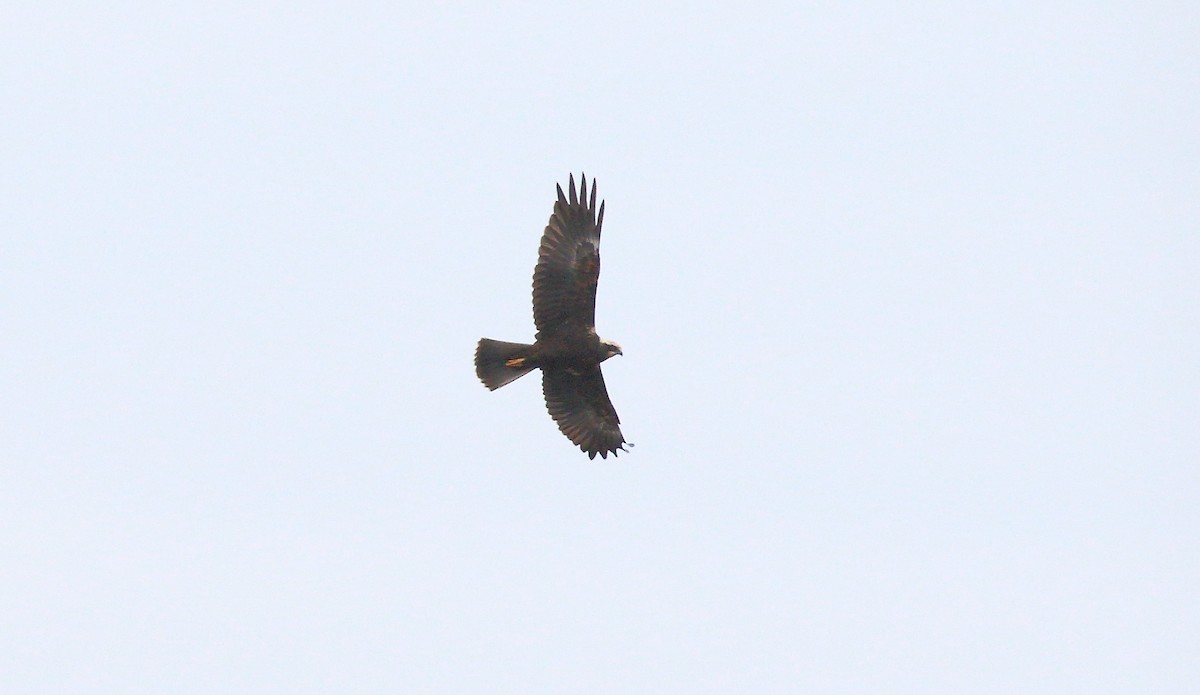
point(568, 267)
point(580, 405)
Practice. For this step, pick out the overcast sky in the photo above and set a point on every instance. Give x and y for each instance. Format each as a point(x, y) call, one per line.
point(909, 298)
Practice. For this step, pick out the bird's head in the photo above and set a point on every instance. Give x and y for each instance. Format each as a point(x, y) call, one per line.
point(611, 348)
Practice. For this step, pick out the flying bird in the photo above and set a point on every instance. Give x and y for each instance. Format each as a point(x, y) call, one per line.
point(566, 347)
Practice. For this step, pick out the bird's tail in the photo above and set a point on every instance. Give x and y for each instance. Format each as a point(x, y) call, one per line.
point(497, 363)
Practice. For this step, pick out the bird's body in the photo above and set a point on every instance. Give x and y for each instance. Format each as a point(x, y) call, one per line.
point(567, 348)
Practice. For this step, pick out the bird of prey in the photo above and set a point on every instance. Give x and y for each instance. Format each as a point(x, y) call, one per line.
point(566, 347)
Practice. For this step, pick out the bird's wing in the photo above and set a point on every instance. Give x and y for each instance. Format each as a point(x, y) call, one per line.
point(580, 405)
point(568, 267)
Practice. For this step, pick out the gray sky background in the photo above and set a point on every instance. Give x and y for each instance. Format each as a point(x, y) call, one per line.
point(908, 296)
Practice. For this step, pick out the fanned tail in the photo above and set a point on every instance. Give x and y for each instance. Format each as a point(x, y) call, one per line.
point(496, 362)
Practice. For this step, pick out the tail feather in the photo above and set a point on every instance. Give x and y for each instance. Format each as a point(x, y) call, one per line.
point(491, 358)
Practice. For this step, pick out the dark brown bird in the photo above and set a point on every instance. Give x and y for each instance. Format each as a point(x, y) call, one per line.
point(566, 346)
